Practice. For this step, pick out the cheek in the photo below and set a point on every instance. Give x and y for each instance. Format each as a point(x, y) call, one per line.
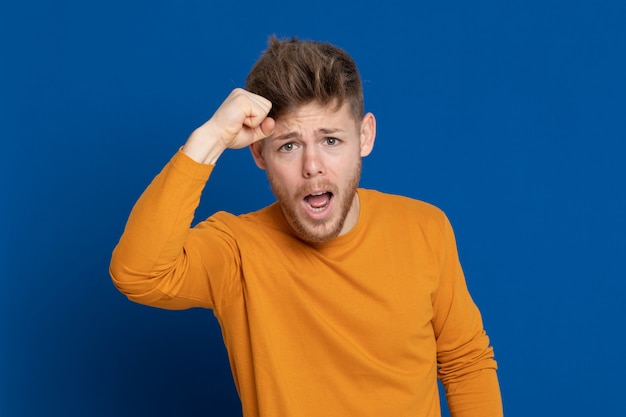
point(348, 164)
point(282, 178)
point(283, 172)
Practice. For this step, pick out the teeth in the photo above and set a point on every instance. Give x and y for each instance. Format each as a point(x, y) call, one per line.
point(320, 193)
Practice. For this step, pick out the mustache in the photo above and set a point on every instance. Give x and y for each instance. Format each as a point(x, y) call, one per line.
point(308, 189)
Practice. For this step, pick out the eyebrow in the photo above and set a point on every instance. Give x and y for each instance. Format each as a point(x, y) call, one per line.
point(322, 131)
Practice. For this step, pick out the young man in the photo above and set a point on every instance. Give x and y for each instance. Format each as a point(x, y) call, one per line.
point(335, 301)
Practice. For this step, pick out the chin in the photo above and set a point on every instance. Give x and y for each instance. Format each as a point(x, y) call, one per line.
point(316, 233)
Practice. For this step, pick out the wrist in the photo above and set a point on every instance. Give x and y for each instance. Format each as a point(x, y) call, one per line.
point(203, 145)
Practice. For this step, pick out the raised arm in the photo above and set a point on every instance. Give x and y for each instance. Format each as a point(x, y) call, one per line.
point(240, 121)
point(155, 261)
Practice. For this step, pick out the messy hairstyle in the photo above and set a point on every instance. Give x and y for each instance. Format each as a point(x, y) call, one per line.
point(291, 73)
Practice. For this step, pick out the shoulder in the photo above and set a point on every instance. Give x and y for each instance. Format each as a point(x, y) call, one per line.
point(267, 220)
point(404, 216)
point(399, 205)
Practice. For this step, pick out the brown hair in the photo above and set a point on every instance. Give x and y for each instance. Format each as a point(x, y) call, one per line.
point(292, 72)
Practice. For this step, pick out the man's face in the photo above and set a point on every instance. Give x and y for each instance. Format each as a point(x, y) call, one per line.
point(313, 163)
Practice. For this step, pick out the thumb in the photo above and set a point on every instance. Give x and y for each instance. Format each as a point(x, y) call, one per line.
point(264, 129)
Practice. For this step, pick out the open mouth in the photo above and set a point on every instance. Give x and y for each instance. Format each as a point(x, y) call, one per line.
point(318, 201)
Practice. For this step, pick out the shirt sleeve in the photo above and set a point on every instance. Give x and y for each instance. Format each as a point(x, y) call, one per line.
point(465, 358)
point(159, 260)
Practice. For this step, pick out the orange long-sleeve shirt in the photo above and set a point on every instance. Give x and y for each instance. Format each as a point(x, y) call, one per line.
point(359, 326)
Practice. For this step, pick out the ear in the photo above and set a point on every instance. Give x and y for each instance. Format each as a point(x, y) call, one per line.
point(368, 134)
point(256, 149)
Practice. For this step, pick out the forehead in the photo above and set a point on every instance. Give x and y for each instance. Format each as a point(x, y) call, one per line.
point(316, 116)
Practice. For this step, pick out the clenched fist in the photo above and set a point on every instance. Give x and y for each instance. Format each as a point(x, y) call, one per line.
point(239, 121)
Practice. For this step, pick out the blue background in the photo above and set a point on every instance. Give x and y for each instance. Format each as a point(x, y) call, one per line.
point(509, 115)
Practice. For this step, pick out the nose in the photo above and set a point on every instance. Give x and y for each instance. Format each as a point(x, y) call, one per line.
point(312, 164)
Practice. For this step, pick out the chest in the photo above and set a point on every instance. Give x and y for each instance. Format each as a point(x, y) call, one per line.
point(376, 297)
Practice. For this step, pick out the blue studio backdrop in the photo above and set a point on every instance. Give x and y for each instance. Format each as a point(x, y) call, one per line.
point(509, 115)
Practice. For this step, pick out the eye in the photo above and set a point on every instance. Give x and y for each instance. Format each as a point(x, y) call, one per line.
point(287, 147)
point(331, 141)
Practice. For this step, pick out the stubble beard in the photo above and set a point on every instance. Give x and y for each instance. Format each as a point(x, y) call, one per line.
point(317, 231)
